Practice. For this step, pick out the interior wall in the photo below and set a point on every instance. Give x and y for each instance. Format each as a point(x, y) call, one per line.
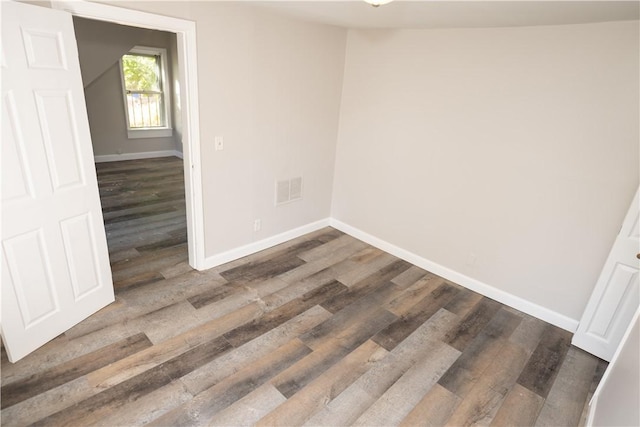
point(100, 46)
point(509, 155)
point(271, 87)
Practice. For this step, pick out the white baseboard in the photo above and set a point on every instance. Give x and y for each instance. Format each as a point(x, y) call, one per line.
point(475, 285)
point(136, 156)
point(260, 245)
point(484, 289)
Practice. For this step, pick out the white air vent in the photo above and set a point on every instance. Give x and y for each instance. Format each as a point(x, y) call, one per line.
point(288, 190)
point(282, 191)
point(295, 189)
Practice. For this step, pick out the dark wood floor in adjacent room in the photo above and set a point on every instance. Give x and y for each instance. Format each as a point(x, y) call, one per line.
point(321, 330)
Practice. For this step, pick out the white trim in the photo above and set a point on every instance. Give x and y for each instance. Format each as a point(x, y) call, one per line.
point(484, 289)
point(136, 156)
point(261, 245)
point(188, 64)
point(149, 133)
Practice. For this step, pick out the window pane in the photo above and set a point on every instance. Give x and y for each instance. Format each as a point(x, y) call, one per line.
point(145, 110)
point(141, 72)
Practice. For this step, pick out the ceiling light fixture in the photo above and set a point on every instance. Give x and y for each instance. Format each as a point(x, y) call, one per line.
point(376, 3)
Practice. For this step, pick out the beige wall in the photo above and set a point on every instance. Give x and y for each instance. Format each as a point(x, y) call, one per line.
point(100, 46)
point(271, 87)
point(518, 146)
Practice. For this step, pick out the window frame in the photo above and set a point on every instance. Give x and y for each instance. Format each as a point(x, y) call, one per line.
point(150, 132)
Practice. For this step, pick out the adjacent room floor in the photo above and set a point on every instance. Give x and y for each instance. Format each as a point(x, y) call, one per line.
point(321, 330)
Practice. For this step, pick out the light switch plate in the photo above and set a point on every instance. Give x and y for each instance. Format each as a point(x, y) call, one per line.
point(219, 143)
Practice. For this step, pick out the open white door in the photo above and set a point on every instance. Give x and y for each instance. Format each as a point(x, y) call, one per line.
point(55, 263)
point(616, 295)
point(615, 401)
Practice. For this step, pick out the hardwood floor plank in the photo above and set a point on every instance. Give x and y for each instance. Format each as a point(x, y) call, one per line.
point(361, 265)
point(141, 212)
point(137, 280)
point(329, 352)
point(332, 259)
point(411, 276)
point(359, 396)
point(249, 409)
point(345, 323)
point(149, 262)
point(433, 410)
point(295, 290)
point(62, 350)
point(472, 324)
point(281, 262)
point(463, 302)
point(486, 396)
point(366, 286)
point(91, 410)
point(393, 334)
point(479, 353)
point(275, 318)
point(203, 407)
point(299, 282)
point(317, 393)
point(213, 295)
point(521, 407)
point(528, 334)
point(152, 357)
point(176, 270)
point(400, 399)
point(416, 292)
point(542, 368)
point(145, 226)
point(569, 391)
point(16, 392)
point(138, 301)
point(45, 404)
point(148, 407)
point(299, 375)
point(215, 371)
point(167, 322)
point(324, 252)
point(123, 255)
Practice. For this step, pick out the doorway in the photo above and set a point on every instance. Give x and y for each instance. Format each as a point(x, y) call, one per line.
point(139, 168)
point(188, 100)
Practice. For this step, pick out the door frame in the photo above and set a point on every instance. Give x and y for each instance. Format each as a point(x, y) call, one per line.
point(188, 76)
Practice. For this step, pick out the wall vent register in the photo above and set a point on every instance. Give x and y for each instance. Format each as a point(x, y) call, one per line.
point(288, 190)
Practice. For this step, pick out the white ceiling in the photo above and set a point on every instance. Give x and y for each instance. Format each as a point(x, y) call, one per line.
point(454, 14)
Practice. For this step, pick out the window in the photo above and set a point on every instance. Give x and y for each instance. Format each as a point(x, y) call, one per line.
point(146, 97)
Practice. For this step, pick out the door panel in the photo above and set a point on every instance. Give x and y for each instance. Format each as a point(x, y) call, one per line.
point(44, 49)
point(82, 253)
point(56, 115)
point(16, 183)
point(32, 282)
point(616, 295)
point(54, 253)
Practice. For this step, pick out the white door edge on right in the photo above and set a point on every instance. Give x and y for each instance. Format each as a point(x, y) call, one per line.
point(616, 296)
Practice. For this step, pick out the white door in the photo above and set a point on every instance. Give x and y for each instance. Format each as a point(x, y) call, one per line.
point(55, 263)
point(616, 295)
point(615, 401)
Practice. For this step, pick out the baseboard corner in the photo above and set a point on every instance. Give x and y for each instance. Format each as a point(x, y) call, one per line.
point(528, 307)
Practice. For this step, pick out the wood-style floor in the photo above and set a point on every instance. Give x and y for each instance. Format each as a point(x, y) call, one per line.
point(322, 330)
